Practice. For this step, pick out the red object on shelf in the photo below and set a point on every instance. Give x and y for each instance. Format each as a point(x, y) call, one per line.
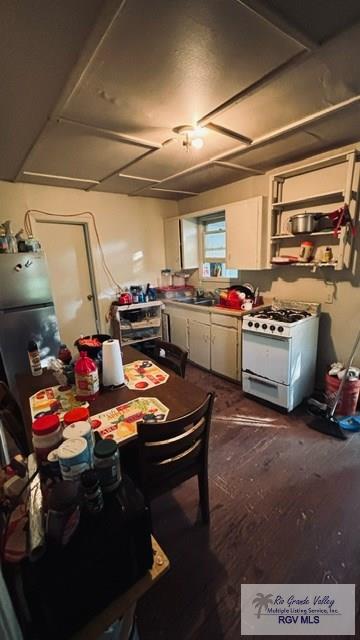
point(86, 378)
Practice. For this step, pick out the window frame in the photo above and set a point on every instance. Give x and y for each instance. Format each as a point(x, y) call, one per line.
point(212, 217)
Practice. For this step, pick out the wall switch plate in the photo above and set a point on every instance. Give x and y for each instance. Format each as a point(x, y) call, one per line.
point(329, 297)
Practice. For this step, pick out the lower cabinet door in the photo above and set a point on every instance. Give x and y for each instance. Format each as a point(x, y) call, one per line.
point(199, 343)
point(224, 351)
point(179, 332)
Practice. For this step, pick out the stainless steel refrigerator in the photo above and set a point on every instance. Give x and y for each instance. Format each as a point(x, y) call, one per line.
point(27, 312)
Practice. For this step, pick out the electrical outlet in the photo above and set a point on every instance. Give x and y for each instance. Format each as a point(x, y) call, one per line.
point(329, 297)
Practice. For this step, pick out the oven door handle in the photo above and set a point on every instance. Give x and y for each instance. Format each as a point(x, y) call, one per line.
point(270, 335)
point(264, 382)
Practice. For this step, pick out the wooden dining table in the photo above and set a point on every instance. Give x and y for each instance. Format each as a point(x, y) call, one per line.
point(181, 397)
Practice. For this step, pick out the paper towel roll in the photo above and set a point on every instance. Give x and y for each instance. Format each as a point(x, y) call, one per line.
point(113, 372)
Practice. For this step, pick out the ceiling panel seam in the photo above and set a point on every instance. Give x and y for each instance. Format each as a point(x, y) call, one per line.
point(109, 133)
point(254, 87)
point(125, 166)
point(103, 26)
point(291, 128)
point(276, 20)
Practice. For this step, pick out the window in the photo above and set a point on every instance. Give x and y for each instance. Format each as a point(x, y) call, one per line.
point(214, 248)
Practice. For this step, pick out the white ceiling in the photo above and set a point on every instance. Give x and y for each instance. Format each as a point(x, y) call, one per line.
point(92, 89)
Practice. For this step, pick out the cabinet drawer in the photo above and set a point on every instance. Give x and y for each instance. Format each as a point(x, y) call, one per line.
point(225, 320)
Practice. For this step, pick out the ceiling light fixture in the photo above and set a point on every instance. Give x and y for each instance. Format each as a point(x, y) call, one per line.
point(192, 137)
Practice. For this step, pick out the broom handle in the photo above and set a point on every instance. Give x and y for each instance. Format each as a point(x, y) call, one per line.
point(343, 380)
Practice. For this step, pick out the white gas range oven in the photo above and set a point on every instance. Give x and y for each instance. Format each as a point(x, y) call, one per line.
point(279, 349)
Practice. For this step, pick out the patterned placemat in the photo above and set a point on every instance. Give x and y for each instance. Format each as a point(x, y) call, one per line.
point(119, 423)
point(144, 374)
point(58, 400)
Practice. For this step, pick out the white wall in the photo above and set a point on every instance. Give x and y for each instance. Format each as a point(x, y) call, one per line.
point(340, 320)
point(130, 229)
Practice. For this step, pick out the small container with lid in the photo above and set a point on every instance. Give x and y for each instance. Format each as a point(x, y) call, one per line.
point(78, 414)
point(166, 278)
point(46, 435)
point(73, 457)
point(81, 429)
point(93, 497)
point(107, 464)
point(63, 512)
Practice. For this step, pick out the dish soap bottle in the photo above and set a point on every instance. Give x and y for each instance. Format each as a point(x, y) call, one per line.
point(86, 378)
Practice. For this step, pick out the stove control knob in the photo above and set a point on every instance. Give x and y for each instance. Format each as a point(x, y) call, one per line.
point(280, 329)
point(264, 326)
point(272, 327)
point(256, 325)
point(250, 324)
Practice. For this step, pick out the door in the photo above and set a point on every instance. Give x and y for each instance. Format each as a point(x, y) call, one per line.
point(179, 332)
point(199, 343)
point(71, 281)
point(266, 356)
point(224, 351)
point(172, 244)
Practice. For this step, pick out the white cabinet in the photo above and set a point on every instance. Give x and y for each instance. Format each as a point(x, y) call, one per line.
point(199, 343)
point(190, 243)
point(224, 351)
point(246, 236)
point(172, 243)
point(179, 331)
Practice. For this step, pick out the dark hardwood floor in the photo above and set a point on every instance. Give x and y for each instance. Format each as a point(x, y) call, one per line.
point(285, 508)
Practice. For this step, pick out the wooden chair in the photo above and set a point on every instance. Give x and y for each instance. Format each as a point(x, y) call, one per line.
point(174, 451)
point(171, 356)
point(11, 419)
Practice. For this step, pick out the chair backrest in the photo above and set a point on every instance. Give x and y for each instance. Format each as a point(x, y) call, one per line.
point(11, 419)
point(171, 356)
point(171, 451)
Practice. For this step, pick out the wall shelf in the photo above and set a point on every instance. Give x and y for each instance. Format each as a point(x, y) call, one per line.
point(321, 198)
point(138, 322)
point(286, 236)
point(280, 209)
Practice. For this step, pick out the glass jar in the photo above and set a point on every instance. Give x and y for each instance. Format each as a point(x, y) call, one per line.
point(107, 464)
point(166, 277)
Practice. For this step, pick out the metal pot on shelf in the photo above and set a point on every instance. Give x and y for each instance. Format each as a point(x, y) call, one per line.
point(304, 222)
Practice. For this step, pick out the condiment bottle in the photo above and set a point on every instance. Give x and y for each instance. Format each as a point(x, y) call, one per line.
point(107, 464)
point(93, 497)
point(306, 251)
point(86, 378)
point(64, 354)
point(34, 358)
point(327, 254)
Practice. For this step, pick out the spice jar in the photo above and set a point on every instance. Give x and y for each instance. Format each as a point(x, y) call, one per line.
point(107, 464)
point(93, 497)
point(306, 251)
point(78, 414)
point(46, 435)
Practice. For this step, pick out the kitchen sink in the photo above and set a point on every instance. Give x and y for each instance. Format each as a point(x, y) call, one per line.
point(205, 302)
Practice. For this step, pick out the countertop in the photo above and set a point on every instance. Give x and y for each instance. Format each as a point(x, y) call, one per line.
point(214, 309)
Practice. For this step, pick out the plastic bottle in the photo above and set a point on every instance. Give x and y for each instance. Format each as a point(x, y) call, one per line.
point(64, 354)
point(86, 378)
point(34, 358)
